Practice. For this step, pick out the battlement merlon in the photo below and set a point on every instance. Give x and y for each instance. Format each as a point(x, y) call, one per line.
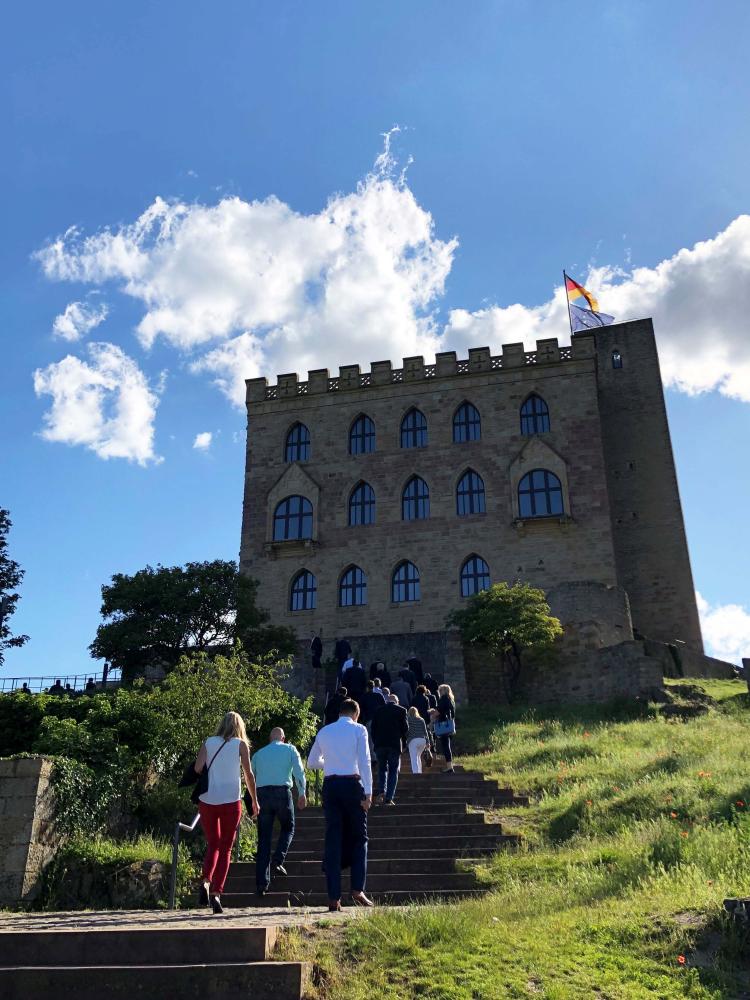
point(414, 369)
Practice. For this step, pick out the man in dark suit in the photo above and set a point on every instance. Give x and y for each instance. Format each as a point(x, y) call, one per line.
point(379, 669)
point(390, 729)
point(333, 705)
point(341, 651)
point(355, 681)
point(316, 650)
point(408, 675)
point(415, 665)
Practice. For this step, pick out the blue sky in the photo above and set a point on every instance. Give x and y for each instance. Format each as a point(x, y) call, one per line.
point(606, 138)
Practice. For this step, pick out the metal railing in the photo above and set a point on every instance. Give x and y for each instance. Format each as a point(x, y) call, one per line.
point(179, 827)
point(61, 683)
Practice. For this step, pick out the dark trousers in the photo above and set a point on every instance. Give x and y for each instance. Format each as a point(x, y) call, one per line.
point(346, 833)
point(389, 763)
point(275, 802)
point(445, 743)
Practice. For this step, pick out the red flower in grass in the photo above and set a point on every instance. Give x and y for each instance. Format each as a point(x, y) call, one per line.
point(673, 815)
point(589, 802)
point(740, 804)
point(681, 959)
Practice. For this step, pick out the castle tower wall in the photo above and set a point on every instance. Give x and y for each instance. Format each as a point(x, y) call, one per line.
point(648, 530)
point(545, 551)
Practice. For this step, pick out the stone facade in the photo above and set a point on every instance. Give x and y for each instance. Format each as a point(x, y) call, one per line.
point(608, 444)
point(27, 829)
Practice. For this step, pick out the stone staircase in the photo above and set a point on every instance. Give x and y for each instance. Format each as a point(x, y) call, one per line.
point(211, 958)
point(415, 847)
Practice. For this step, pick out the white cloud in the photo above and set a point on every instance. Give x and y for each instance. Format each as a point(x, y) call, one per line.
point(203, 441)
point(699, 300)
point(105, 404)
point(78, 319)
point(726, 629)
point(274, 287)
point(247, 288)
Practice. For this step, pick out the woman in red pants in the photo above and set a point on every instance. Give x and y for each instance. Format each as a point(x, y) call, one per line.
point(220, 807)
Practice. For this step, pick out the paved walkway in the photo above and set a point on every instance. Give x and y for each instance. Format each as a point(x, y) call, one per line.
point(255, 916)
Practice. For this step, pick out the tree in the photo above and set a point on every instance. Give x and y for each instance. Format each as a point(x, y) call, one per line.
point(511, 621)
point(11, 575)
point(157, 615)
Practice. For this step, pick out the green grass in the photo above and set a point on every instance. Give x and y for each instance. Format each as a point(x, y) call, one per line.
point(636, 832)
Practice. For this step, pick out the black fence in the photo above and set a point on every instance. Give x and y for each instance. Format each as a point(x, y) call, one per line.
point(62, 683)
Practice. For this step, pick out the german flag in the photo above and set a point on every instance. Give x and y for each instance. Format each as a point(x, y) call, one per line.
point(583, 308)
point(576, 291)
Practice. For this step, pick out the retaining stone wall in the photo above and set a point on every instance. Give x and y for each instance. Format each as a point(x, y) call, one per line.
point(27, 829)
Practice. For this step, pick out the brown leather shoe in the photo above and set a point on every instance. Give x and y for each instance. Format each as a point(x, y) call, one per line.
point(359, 899)
point(334, 905)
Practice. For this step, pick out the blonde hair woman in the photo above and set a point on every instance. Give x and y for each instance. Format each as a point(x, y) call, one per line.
point(220, 807)
point(445, 727)
point(417, 738)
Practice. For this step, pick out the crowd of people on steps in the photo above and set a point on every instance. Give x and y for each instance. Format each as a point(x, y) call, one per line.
point(366, 720)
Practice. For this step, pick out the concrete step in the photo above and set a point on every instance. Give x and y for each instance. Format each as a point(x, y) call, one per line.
point(414, 881)
point(136, 946)
point(422, 849)
point(393, 846)
point(395, 898)
point(392, 817)
point(393, 833)
point(382, 866)
point(230, 981)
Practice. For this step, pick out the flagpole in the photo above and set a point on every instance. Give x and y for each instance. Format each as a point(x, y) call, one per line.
point(567, 299)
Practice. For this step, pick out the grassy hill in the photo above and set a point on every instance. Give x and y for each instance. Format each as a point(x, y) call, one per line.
point(637, 830)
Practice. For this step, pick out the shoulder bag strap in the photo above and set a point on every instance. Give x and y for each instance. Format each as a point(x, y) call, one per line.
point(216, 755)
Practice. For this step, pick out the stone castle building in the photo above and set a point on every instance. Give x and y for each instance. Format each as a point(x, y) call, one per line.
point(376, 502)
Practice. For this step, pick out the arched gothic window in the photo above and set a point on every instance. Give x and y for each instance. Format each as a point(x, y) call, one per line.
point(475, 576)
point(467, 425)
point(362, 436)
point(540, 494)
point(297, 444)
point(303, 593)
point(352, 588)
point(414, 429)
point(616, 359)
point(293, 518)
point(362, 504)
point(405, 583)
point(470, 494)
point(415, 500)
point(534, 415)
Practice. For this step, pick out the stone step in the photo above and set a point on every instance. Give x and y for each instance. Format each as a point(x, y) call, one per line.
point(137, 946)
point(414, 881)
point(395, 898)
point(392, 832)
point(431, 810)
point(392, 846)
point(383, 866)
point(376, 852)
point(392, 816)
point(230, 981)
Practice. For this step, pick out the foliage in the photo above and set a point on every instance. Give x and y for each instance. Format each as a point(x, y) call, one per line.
point(83, 798)
point(157, 615)
point(637, 830)
point(11, 576)
point(89, 871)
point(509, 621)
point(134, 742)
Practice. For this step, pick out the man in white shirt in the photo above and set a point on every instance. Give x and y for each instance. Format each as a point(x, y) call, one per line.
point(341, 750)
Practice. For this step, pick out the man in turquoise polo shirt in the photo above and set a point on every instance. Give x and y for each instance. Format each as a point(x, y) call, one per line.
point(274, 767)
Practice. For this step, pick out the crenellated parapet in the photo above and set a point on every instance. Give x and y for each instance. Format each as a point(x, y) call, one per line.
point(447, 365)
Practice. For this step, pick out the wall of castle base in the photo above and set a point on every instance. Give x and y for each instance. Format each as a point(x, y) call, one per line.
point(593, 676)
